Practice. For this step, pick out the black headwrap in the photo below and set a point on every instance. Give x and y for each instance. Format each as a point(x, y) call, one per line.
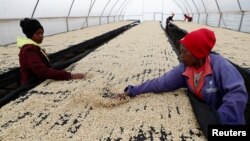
point(30, 26)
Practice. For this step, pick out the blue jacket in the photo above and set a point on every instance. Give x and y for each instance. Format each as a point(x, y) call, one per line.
point(223, 90)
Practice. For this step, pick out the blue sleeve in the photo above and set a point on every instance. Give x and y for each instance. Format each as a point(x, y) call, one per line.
point(170, 81)
point(234, 95)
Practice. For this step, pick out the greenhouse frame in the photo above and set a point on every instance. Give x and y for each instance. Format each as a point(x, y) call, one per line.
point(124, 70)
point(68, 15)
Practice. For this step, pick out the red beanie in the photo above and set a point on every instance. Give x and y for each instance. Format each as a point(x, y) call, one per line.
point(199, 42)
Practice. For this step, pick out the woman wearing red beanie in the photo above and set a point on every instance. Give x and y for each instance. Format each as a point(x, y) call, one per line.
point(210, 77)
point(33, 60)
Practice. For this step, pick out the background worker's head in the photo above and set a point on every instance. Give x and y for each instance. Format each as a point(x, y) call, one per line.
point(196, 45)
point(32, 29)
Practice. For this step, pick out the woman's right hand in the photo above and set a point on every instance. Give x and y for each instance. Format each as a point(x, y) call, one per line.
point(78, 75)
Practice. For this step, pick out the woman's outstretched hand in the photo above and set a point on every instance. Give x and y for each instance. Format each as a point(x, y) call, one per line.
point(122, 96)
point(78, 75)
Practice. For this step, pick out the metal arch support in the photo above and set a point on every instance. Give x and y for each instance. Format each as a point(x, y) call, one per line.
point(205, 10)
point(189, 7)
point(197, 11)
point(67, 22)
point(103, 11)
point(124, 3)
point(86, 17)
point(120, 7)
point(90, 11)
point(124, 7)
point(127, 6)
point(162, 11)
point(179, 6)
point(219, 12)
point(34, 9)
point(91, 6)
point(242, 15)
point(184, 6)
point(112, 9)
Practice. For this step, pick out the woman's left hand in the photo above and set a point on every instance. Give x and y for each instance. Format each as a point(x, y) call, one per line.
point(122, 96)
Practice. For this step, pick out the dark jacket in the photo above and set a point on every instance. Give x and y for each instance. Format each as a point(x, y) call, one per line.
point(170, 18)
point(34, 63)
point(188, 18)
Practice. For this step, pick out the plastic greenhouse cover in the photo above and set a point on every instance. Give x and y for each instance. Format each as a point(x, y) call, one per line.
point(135, 8)
point(192, 7)
point(245, 5)
point(210, 6)
point(153, 6)
point(80, 8)
point(228, 5)
point(55, 8)
point(184, 3)
point(12, 9)
point(98, 7)
point(200, 6)
point(111, 5)
point(124, 8)
point(170, 6)
point(116, 8)
point(65, 15)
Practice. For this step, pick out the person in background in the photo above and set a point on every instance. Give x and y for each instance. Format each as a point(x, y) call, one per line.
point(170, 18)
point(187, 18)
point(210, 77)
point(33, 60)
